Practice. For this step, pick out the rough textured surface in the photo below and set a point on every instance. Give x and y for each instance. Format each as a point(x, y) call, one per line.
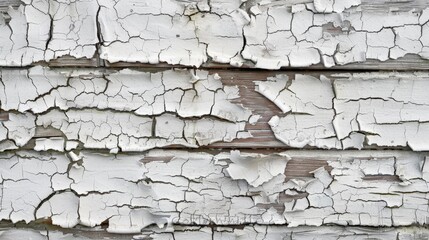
point(125, 110)
point(131, 192)
point(276, 232)
point(350, 111)
point(277, 37)
point(269, 34)
point(219, 233)
point(132, 110)
point(45, 30)
point(102, 137)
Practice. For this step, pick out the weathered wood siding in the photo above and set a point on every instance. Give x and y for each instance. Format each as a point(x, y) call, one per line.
point(214, 119)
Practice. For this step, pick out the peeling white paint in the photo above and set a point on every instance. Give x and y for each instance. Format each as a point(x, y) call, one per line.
point(17, 131)
point(62, 208)
point(53, 143)
point(329, 6)
point(167, 36)
point(350, 111)
point(258, 232)
point(177, 32)
point(126, 110)
point(184, 92)
point(127, 132)
point(270, 34)
point(15, 233)
point(45, 30)
point(255, 170)
point(196, 188)
point(27, 179)
point(278, 37)
point(92, 131)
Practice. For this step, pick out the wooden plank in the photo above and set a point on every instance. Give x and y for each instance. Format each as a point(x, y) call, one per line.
point(210, 191)
point(68, 61)
point(40, 231)
point(4, 116)
point(263, 136)
point(5, 4)
point(370, 5)
point(408, 63)
point(237, 187)
point(262, 133)
point(393, 5)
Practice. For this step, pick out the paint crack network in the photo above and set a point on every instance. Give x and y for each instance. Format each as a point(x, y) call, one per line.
point(126, 110)
point(350, 110)
point(166, 188)
point(259, 33)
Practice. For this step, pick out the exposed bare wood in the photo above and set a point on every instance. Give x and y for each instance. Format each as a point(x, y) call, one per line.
point(338, 42)
point(217, 233)
point(292, 188)
point(214, 119)
point(68, 61)
point(381, 5)
point(5, 4)
point(407, 63)
point(4, 116)
point(259, 105)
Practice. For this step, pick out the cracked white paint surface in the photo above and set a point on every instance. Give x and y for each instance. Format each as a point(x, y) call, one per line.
point(17, 131)
point(257, 170)
point(113, 130)
point(126, 110)
point(15, 233)
point(129, 193)
point(45, 30)
point(79, 146)
point(271, 34)
point(350, 111)
point(258, 232)
point(176, 32)
point(52, 143)
point(261, 232)
point(279, 38)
